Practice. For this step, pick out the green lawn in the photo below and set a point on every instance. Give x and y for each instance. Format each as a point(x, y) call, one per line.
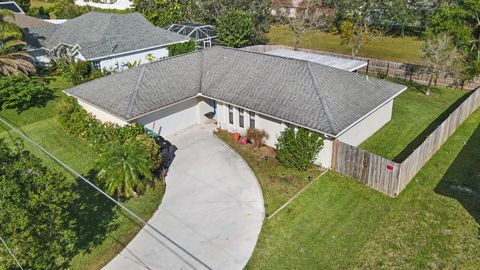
point(103, 229)
point(400, 49)
point(414, 116)
point(40, 3)
point(278, 184)
point(338, 223)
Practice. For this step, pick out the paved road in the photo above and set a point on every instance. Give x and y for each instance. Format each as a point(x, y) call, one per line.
point(213, 207)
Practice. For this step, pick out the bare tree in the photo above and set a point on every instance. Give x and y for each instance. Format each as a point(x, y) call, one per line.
point(302, 16)
point(441, 56)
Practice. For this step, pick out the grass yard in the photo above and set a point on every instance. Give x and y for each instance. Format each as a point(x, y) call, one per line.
point(338, 223)
point(400, 49)
point(41, 3)
point(415, 115)
point(103, 229)
point(278, 184)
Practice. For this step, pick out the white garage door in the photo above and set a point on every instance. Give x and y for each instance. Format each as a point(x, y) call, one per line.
point(172, 119)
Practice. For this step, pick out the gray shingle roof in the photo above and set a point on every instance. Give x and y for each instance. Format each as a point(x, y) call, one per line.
point(318, 97)
point(100, 34)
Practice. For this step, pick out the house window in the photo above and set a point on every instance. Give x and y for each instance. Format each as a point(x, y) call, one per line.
point(252, 120)
point(230, 114)
point(96, 65)
point(240, 118)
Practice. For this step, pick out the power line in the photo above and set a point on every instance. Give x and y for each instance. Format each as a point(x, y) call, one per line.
point(102, 192)
point(11, 253)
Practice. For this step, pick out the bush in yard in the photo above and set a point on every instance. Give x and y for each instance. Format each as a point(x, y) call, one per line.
point(21, 93)
point(149, 145)
point(35, 212)
point(77, 71)
point(298, 148)
point(181, 48)
point(75, 120)
point(235, 29)
point(257, 136)
point(123, 170)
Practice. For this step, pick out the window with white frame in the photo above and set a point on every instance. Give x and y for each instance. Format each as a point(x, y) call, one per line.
point(96, 65)
point(252, 120)
point(240, 118)
point(230, 114)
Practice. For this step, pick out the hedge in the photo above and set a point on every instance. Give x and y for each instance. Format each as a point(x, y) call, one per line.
point(76, 121)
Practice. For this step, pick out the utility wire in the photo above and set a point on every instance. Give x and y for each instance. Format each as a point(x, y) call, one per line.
point(102, 192)
point(11, 253)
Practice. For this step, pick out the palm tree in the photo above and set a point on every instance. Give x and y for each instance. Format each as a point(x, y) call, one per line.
point(123, 170)
point(13, 58)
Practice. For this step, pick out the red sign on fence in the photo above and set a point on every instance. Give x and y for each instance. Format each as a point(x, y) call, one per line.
point(390, 167)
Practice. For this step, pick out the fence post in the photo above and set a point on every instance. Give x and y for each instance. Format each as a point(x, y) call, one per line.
point(388, 69)
point(368, 65)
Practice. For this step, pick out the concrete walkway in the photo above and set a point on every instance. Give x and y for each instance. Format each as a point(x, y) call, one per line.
point(213, 208)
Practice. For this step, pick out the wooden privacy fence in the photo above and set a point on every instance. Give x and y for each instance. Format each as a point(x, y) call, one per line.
point(390, 177)
point(405, 71)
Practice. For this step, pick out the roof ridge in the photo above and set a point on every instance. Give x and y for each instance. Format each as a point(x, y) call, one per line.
point(322, 99)
point(134, 95)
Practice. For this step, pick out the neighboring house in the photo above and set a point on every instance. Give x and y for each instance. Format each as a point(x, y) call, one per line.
point(109, 41)
point(243, 89)
point(204, 34)
point(327, 60)
point(107, 4)
point(24, 21)
point(12, 6)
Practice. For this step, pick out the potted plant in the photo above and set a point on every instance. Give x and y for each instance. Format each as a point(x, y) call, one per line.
point(244, 140)
point(236, 137)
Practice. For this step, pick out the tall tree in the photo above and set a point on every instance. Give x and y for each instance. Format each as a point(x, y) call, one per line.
point(35, 216)
point(306, 15)
point(234, 29)
point(440, 56)
point(260, 11)
point(161, 12)
point(123, 170)
point(402, 13)
point(13, 58)
point(460, 20)
point(358, 18)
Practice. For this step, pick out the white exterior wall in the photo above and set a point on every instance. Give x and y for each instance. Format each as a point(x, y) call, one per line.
point(172, 119)
point(273, 127)
point(102, 115)
point(190, 112)
point(117, 63)
point(368, 126)
point(205, 106)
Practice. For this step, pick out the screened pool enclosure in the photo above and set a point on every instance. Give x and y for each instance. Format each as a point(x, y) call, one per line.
point(204, 34)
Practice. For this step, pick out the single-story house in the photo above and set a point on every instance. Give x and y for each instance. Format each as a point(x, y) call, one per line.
point(108, 40)
point(12, 6)
point(243, 89)
point(24, 21)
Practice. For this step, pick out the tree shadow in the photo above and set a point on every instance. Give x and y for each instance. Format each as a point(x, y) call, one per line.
point(410, 148)
point(462, 179)
point(94, 215)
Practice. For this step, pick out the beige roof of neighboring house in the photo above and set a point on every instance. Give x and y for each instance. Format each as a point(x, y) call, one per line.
point(23, 21)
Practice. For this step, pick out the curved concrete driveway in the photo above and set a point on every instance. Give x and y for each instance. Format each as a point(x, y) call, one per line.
point(213, 207)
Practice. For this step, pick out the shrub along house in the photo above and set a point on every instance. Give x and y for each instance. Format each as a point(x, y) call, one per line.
point(108, 40)
point(241, 90)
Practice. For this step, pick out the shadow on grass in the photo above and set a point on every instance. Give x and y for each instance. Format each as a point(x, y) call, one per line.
point(94, 214)
point(462, 179)
point(408, 150)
